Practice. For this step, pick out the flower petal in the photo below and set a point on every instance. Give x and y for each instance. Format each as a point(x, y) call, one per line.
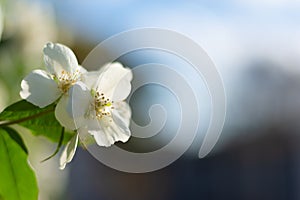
point(62, 115)
point(69, 152)
point(108, 132)
point(81, 69)
point(79, 103)
point(86, 138)
point(34, 86)
point(122, 110)
point(101, 138)
point(94, 128)
point(90, 79)
point(115, 132)
point(59, 58)
point(114, 81)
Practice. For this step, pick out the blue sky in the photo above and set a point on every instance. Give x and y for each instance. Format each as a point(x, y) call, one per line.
point(116, 15)
point(228, 30)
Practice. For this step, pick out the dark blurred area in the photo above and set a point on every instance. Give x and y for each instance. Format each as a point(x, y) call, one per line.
point(256, 48)
point(264, 168)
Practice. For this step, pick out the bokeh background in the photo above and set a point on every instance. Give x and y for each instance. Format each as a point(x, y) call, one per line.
point(256, 48)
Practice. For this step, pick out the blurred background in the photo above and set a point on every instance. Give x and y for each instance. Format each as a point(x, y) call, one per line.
point(256, 48)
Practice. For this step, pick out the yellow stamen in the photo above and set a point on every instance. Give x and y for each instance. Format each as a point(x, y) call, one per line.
point(66, 80)
point(102, 105)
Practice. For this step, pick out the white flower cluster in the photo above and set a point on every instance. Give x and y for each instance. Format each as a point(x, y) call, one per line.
point(92, 103)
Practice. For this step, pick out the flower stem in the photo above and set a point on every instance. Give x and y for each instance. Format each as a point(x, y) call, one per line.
point(26, 118)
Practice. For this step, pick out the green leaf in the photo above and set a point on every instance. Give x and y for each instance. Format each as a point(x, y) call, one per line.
point(16, 137)
point(17, 180)
point(41, 121)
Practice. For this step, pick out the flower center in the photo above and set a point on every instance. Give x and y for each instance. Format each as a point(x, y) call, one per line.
point(66, 80)
point(102, 105)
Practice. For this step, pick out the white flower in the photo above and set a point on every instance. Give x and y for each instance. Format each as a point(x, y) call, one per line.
point(42, 88)
point(98, 106)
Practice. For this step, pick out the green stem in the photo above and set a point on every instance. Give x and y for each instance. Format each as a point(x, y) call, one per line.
point(26, 118)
